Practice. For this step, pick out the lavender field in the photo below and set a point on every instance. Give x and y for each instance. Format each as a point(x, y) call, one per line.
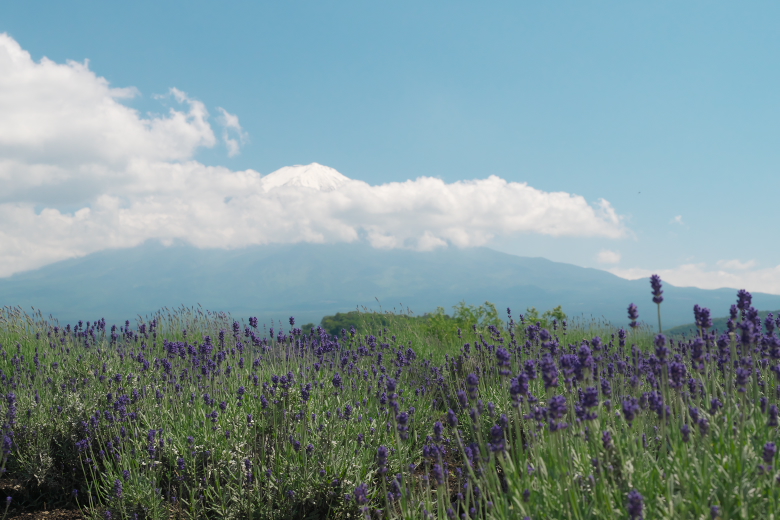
point(191, 414)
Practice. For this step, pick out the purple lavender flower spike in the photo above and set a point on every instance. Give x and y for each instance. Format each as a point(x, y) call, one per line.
point(744, 300)
point(770, 450)
point(655, 284)
point(633, 315)
point(452, 419)
point(497, 443)
point(381, 459)
point(635, 505)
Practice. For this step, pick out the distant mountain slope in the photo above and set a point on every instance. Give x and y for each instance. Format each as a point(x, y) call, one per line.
point(718, 324)
point(311, 280)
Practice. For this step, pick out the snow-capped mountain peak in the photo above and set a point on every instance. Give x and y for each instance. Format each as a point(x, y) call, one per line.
point(314, 176)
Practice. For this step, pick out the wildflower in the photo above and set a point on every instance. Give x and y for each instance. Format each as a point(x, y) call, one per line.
point(703, 319)
point(635, 505)
point(462, 398)
point(504, 360)
point(472, 385)
point(402, 421)
point(452, 418)
point(590, 397)
point(773, 413)
point(381, 459)
point(438, 474)
point(630, 409)
point(549, 372)
point(361, 494)
point(606, 440)
point(497, 439)
point(118, 490)
point(686, 432)
point(518, 388)
point(660, 347)
point(438, 428)
point(655, 283)
point(744, 299)
point(337, 380)
point(606, 387)
point(633, 315)
point(770, 449)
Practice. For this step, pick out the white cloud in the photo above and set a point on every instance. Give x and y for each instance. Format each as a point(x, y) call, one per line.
point(81, 172)
point(677, 220)
point(607, 256)
point(731, 274)
point(736, 265)
point(231, 126)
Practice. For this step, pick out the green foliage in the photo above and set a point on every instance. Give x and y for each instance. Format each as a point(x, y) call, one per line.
point(532, 316)
point(437, 331)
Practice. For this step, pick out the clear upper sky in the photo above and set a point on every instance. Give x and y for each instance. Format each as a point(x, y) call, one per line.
point(668, 110)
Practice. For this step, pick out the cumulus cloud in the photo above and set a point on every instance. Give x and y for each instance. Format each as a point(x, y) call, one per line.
point(677, 220)
point(607, 256)
point(732, 274)
point(81, 172)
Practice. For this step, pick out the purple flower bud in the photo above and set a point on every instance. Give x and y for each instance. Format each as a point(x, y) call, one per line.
point(633, 315)
point(497, 438)
point(630, 409)
point(635, 505)
point(472, 385)
point(655, 284)
point(463, 398)
point(606, 440)
point(686, 432)
point(381, 459)
point(770, 449)
point(438, 428)
point(361, 494)
point(744, 299)
point(438, 474)
point(452, 418)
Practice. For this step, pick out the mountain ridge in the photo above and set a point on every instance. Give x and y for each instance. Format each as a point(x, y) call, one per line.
point(310, 281)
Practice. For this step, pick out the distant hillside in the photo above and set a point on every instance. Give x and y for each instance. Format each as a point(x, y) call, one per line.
point(719, 324)
point(310, 281)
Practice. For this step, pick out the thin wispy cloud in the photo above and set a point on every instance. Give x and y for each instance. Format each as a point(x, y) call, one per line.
point(232, 133)
point(82, 172)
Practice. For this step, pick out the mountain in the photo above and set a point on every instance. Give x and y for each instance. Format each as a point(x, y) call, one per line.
point(309, 281)
point(314, 176)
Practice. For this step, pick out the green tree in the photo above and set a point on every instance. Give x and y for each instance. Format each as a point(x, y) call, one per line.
point(532, 316)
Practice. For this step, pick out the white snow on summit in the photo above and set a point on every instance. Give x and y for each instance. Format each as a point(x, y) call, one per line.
point(314, 176)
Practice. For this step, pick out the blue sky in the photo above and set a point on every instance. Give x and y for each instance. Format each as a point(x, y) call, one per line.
point(667, 111)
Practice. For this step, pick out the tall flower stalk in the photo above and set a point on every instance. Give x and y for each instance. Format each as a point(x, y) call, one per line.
point(655, 283)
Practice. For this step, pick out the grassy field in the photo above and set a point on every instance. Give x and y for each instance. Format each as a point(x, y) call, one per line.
point(190, 414)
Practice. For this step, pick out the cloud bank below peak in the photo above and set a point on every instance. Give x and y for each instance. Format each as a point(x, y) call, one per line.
point(82, 172)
